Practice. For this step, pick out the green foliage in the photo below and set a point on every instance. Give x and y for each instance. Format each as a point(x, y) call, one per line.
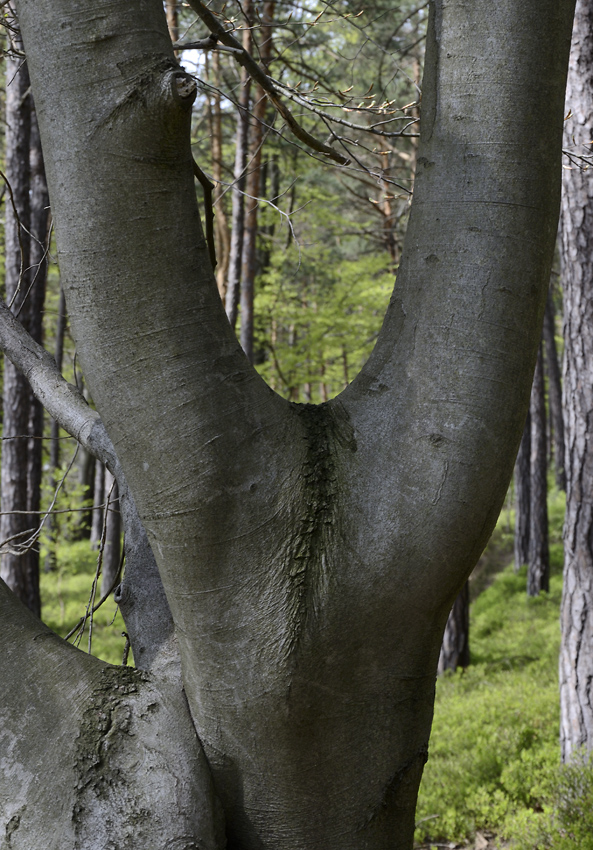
point(494, 750)
point(318, 318)
point(65, 594)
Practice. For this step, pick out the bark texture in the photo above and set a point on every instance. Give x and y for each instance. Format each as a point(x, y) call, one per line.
point(108, 758)
point(308, 588)
point(538, 571)
point(576, 653)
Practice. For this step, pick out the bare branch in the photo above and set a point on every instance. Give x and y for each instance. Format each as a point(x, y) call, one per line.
point(259, 75)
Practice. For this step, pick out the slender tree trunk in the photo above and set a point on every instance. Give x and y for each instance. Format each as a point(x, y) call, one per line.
point(249, 259)
point(112, 550)
point(576, 652)
point(15, 522)
point(455, 647)
point(523, 497)
point(554, 392)
point(39, 199)
point(538, 573)
point(222, 235)
point(238, 192)
point(172, 19)
point(54, 446)
point(98, 499)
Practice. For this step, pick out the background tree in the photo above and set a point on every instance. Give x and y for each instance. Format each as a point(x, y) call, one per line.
point(538, 573)
point(576, 654)
point(310, 555)
point(26, 234)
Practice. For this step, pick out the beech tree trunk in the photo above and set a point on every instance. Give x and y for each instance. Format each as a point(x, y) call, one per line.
point(523, 497)
point(305, 558)
point(538, 572)
point(576, 652)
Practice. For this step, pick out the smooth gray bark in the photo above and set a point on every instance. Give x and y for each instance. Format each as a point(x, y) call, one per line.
point(108, 758)
point(576, 652)
point(310, 556)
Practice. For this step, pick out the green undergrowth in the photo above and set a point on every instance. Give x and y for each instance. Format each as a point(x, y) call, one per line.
point(65, 593)
point(494, 760)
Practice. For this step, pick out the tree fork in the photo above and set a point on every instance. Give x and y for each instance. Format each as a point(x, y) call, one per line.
point(322, 745)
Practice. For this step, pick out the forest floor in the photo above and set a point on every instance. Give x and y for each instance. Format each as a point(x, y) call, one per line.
point(483, 841)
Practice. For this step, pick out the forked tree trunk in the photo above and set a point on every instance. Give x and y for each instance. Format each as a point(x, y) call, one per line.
point(576, 652)
point(523, 497)
point(310, 555)
point(538, 572)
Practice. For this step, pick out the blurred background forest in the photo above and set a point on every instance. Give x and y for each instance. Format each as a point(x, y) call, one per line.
point(304, 178)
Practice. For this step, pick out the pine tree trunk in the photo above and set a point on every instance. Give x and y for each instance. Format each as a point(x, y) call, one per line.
point(249, 259)
point(576, 652)
point(455, 646)
point(172, 19)
point(39, 199)
point(538, 573)
point(523, 497)
point(98, 499)
point(238, 193)
point(554, 393)
point(15, 522)
point(222, 235)
point(112, 550)
point(54, 446)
